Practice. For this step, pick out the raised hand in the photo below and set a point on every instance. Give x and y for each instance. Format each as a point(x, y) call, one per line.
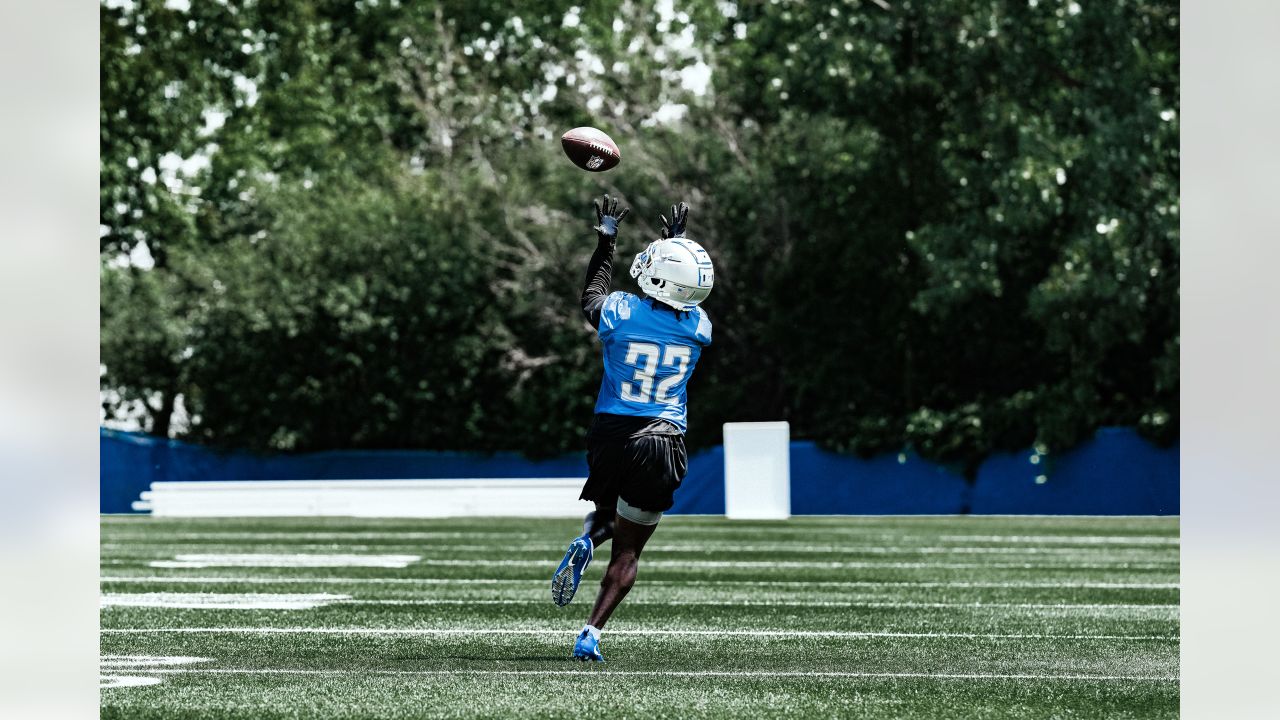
point(674, 227)
point(607, 218)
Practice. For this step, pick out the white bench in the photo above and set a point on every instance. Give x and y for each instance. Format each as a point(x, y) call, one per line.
point(513, 497)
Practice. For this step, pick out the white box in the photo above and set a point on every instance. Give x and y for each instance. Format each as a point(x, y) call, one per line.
point(757, 470)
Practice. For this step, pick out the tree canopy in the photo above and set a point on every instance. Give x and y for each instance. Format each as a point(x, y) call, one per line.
point(950, 226)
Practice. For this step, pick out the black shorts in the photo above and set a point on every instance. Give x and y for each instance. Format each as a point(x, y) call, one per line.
point(645, 471)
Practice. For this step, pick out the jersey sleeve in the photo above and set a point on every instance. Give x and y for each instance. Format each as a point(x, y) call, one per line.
point(596, 287)
point(615, 310)
point(703, 332)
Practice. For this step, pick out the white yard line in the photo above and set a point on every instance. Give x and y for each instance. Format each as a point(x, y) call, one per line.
point(274, 601)
point(866, 533)
point(301, 560)
point(107, 681)
point(1068, 539)
point(117, 662)
point(289, 560)
point(1170, 566)
point(1041, 543)
point(794, 603)
point(1088, 542)
point(1090, 553)
point(161, 536)
point(673, 673)
point(111, 665)
point(221, 601)
point(259, 580)
point(445, 632)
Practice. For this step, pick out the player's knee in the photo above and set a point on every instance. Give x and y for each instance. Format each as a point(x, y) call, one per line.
point(637, 515)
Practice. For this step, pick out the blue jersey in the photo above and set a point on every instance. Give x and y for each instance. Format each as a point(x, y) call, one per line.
point(649, 354)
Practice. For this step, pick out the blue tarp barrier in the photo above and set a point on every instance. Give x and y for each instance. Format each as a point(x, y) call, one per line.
point(1115, 473)
point(702, 491)
point(824, 483)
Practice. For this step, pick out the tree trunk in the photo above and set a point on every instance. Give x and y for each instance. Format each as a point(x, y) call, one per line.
point(161, 419)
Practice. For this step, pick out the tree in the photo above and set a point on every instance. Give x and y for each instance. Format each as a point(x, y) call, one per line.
point(951, 227)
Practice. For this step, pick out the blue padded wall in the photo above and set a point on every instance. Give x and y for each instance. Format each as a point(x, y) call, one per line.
point(1115, 473)
point(825, 483)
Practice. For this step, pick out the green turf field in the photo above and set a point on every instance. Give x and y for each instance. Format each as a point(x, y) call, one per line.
point(926, 617)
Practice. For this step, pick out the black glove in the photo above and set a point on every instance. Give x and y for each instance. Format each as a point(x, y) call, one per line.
point(608, 218)
point(674, 227)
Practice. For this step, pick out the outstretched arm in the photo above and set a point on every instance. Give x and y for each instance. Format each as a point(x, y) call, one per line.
point(599, 274)
point(600, 267)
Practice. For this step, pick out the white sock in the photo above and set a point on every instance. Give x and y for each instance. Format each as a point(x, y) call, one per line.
point(595, 631)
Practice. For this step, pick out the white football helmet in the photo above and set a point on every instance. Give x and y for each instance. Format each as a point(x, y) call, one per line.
point(676, 271)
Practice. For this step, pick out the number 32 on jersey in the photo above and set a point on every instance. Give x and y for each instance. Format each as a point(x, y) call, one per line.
point(645, 358)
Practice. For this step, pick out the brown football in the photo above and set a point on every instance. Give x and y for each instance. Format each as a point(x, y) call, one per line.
point(590, 149)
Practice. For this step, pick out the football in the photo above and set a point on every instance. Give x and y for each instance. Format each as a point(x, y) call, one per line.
point(590, 149)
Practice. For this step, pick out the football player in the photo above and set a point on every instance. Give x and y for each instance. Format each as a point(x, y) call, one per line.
point(635, 445)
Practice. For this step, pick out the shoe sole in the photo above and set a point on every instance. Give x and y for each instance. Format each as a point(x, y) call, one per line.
point(562, 587)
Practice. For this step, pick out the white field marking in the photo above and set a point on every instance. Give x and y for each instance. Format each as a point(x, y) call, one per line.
point(559, 632)
point(857, 527)
point(162, 538)
point(828, 565)
point(123, 661)
point(871, 604)
point(1068, 539)
point(680, 547)
point(396, 539)
point(908, 550)
point(678, 673)
point(259, 580)
point(1092, 553)
point(271, 601)
point(293, 537)
point(119, 681)
point(222, 601)
point(292, 560)
point(151, 663)
point(796, 525)
point(1140, 524)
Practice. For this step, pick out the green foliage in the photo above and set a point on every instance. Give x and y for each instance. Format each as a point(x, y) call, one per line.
point(143, 340)
point(951, 226)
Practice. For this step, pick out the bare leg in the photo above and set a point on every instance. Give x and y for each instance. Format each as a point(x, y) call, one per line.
point(628, 540)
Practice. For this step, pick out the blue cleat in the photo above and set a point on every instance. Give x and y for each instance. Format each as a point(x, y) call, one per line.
point(587, 648)
point(576, 559)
